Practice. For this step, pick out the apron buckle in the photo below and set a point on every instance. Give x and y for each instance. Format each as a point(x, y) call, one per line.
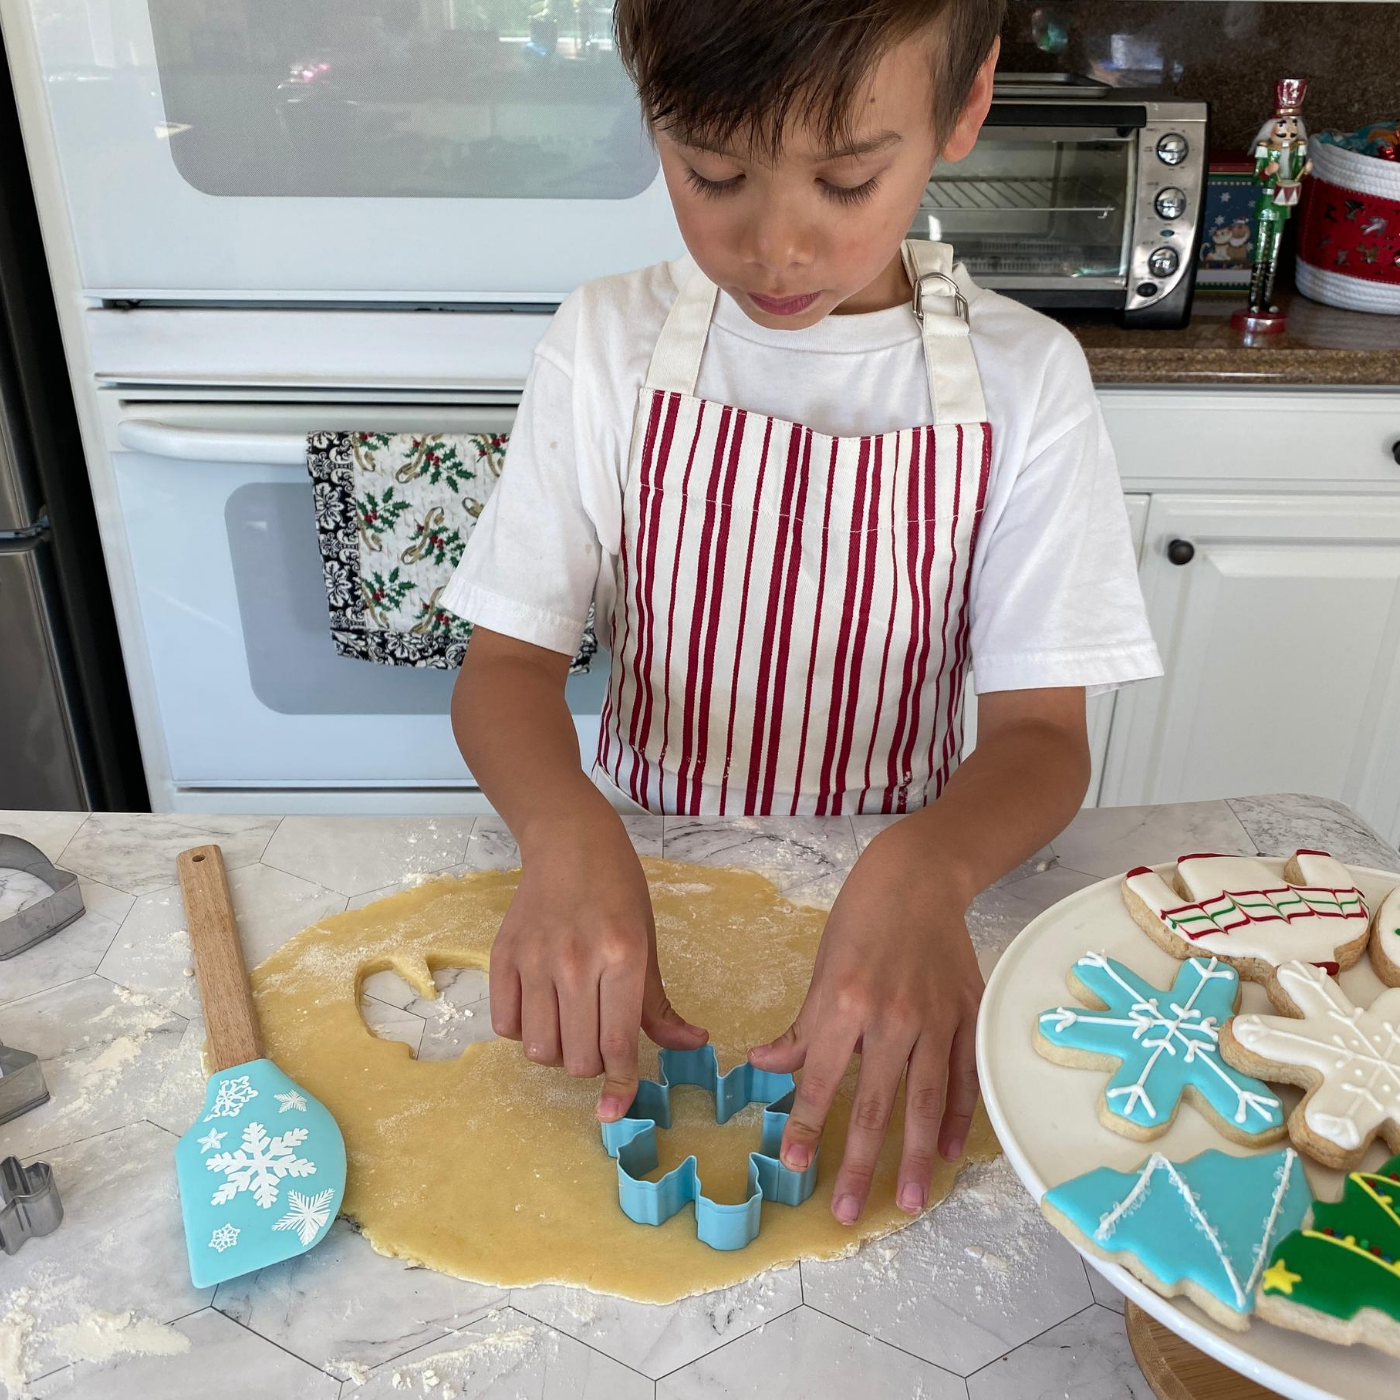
point(938, 284)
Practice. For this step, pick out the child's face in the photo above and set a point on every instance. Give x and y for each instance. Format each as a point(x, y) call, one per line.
point(794, 238)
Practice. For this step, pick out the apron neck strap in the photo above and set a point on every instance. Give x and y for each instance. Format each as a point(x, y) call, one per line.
point(940, 305)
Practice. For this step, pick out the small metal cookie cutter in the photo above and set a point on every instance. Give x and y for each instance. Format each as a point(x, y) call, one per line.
point(29, 1203)
point(632, 1140)
point(46, 916)
point(22, 1084)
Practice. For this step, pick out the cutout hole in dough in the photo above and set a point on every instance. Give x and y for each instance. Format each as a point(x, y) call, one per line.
point(438, 1028)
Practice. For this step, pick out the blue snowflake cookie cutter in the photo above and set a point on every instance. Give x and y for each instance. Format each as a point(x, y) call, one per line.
point(632, 1140)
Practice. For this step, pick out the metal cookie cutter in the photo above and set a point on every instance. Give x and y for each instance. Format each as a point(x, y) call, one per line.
point(29, 1203)
point(22, 1084)
point(46, 916)
point(632, 1140)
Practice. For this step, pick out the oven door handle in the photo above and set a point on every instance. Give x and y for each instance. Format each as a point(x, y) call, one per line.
point(211, 444)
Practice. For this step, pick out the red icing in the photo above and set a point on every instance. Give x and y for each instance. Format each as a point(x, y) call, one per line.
point(1207, 855)
point(1138, 870)
point(1330, 968)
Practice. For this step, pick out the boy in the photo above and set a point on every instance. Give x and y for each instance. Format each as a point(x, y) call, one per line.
point(792, 609)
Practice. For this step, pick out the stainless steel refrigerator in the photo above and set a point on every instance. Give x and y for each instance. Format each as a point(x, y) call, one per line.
point(67, 739)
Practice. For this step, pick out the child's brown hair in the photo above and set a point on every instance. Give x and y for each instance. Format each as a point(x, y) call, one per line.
point(721, 70)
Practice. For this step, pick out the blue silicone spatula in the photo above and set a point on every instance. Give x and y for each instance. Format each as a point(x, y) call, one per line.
point(262, 1171)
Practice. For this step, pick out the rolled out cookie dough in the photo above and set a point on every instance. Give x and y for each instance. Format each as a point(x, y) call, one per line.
point(491, 1168)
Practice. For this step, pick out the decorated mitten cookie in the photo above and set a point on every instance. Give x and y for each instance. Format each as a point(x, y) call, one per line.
point(1235, 908)
point(1385, 939)
point(1340, 1278)
point(1203, 1227)
point(1164, 1044)
point(1347, 1057)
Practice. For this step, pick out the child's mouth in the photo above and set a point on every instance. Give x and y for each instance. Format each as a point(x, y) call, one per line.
point(783, 306)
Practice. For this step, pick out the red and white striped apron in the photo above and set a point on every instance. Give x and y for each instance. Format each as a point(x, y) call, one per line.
point(791, 626)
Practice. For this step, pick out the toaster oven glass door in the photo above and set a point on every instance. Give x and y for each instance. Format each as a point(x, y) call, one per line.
point(1037, 207)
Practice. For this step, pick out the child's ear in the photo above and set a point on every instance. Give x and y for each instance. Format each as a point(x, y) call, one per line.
point(974, 112)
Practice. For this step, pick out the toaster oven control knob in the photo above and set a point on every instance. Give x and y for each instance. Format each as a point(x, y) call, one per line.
point(1171, 202)
point(1162, 262)
point(1172, 148)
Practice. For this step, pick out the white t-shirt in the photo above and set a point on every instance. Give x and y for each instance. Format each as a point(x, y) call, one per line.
point(1054, 594)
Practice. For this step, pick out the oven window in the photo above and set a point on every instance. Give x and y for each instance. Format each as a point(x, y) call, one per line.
point(293, 665)
point(1035, 212)
point(475, 99)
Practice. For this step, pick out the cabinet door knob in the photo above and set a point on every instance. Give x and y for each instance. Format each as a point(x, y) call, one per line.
point(1395, 451)
point(1181, 551)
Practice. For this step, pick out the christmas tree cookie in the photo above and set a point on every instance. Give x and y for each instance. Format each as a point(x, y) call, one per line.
point(1236, 909)
point(1340, 1278)
point(1164, 1045)
point(1346, 1056)
point(1203, 1227)
point(1385, 939)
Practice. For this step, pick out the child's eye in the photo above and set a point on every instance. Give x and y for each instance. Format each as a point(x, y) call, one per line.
point(712, 189)
point(851, 194)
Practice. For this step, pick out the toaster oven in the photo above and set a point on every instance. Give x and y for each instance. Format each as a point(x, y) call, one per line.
point(1078, 194)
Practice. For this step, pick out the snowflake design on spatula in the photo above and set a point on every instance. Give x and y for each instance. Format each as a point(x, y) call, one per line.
point(259, 1165)
point(230, 1098)
point(1168, 1040)
point(225, 1237)
point(307, 1214)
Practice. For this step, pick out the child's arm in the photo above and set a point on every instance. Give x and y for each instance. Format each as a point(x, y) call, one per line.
point(573, 968)
point(896, 978)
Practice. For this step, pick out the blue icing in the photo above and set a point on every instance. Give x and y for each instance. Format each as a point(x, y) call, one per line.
point(1168, 1041)
point(1212, 1220)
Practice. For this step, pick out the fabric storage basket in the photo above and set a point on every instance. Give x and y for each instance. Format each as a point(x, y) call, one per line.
point(1349, 234)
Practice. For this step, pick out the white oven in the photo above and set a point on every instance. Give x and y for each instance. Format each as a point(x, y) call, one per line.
point(254, 708)
point(439, 151)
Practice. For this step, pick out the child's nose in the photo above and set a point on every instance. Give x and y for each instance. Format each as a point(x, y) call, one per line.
point(780, 242)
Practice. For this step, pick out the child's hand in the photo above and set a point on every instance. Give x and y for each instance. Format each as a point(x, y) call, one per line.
point(573, 968)
point(897, 981)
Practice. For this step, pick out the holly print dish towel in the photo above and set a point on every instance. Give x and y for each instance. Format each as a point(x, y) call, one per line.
point(393, 514)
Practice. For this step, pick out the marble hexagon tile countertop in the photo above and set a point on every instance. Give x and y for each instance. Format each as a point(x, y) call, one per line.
point(979, 1300)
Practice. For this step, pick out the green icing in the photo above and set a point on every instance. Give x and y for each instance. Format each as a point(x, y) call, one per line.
point(1349, 1257)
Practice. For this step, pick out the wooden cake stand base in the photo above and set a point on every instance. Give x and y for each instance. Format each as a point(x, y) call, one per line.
point(1177, 1371)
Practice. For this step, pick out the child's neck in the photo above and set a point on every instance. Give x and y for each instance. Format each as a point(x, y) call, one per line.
point(890, 288)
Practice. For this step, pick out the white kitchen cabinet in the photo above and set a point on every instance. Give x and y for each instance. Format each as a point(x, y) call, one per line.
point(1100, 707)
point(1280, 630)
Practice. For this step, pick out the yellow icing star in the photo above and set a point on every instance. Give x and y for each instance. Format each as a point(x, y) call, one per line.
point(1280, 1278)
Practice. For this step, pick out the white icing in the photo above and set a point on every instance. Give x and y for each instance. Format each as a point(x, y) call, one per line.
point(1251, 912)
point(1388, 926)
point(1356, 1051)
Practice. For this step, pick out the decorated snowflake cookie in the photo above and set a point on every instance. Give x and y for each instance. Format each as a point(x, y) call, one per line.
point(1164, 1045)
point(1385, 939)
point(1340, 1278)
point(1203, 1227)
point(1348, 1059)
point(1236, 909)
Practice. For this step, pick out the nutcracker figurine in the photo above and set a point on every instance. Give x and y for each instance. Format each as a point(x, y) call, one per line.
point(1280, 162)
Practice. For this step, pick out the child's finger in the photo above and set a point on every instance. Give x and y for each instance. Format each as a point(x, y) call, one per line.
point(962, 1091)
point(881, 1065)
point(662, 1022)
point(578, 1026)
point(619, 1016)
point(923, 1112)
point(503, 987)
point(827, 1060)
point(784, 1055)
point(539, 1020)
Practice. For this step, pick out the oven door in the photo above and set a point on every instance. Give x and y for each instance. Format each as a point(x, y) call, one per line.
point(351, 150)
point(217, 509)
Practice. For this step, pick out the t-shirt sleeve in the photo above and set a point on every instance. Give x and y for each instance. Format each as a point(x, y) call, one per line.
point(1055, 598)
point(531, 564)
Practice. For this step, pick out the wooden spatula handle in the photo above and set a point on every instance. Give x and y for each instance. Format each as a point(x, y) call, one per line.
point(229, 1017)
